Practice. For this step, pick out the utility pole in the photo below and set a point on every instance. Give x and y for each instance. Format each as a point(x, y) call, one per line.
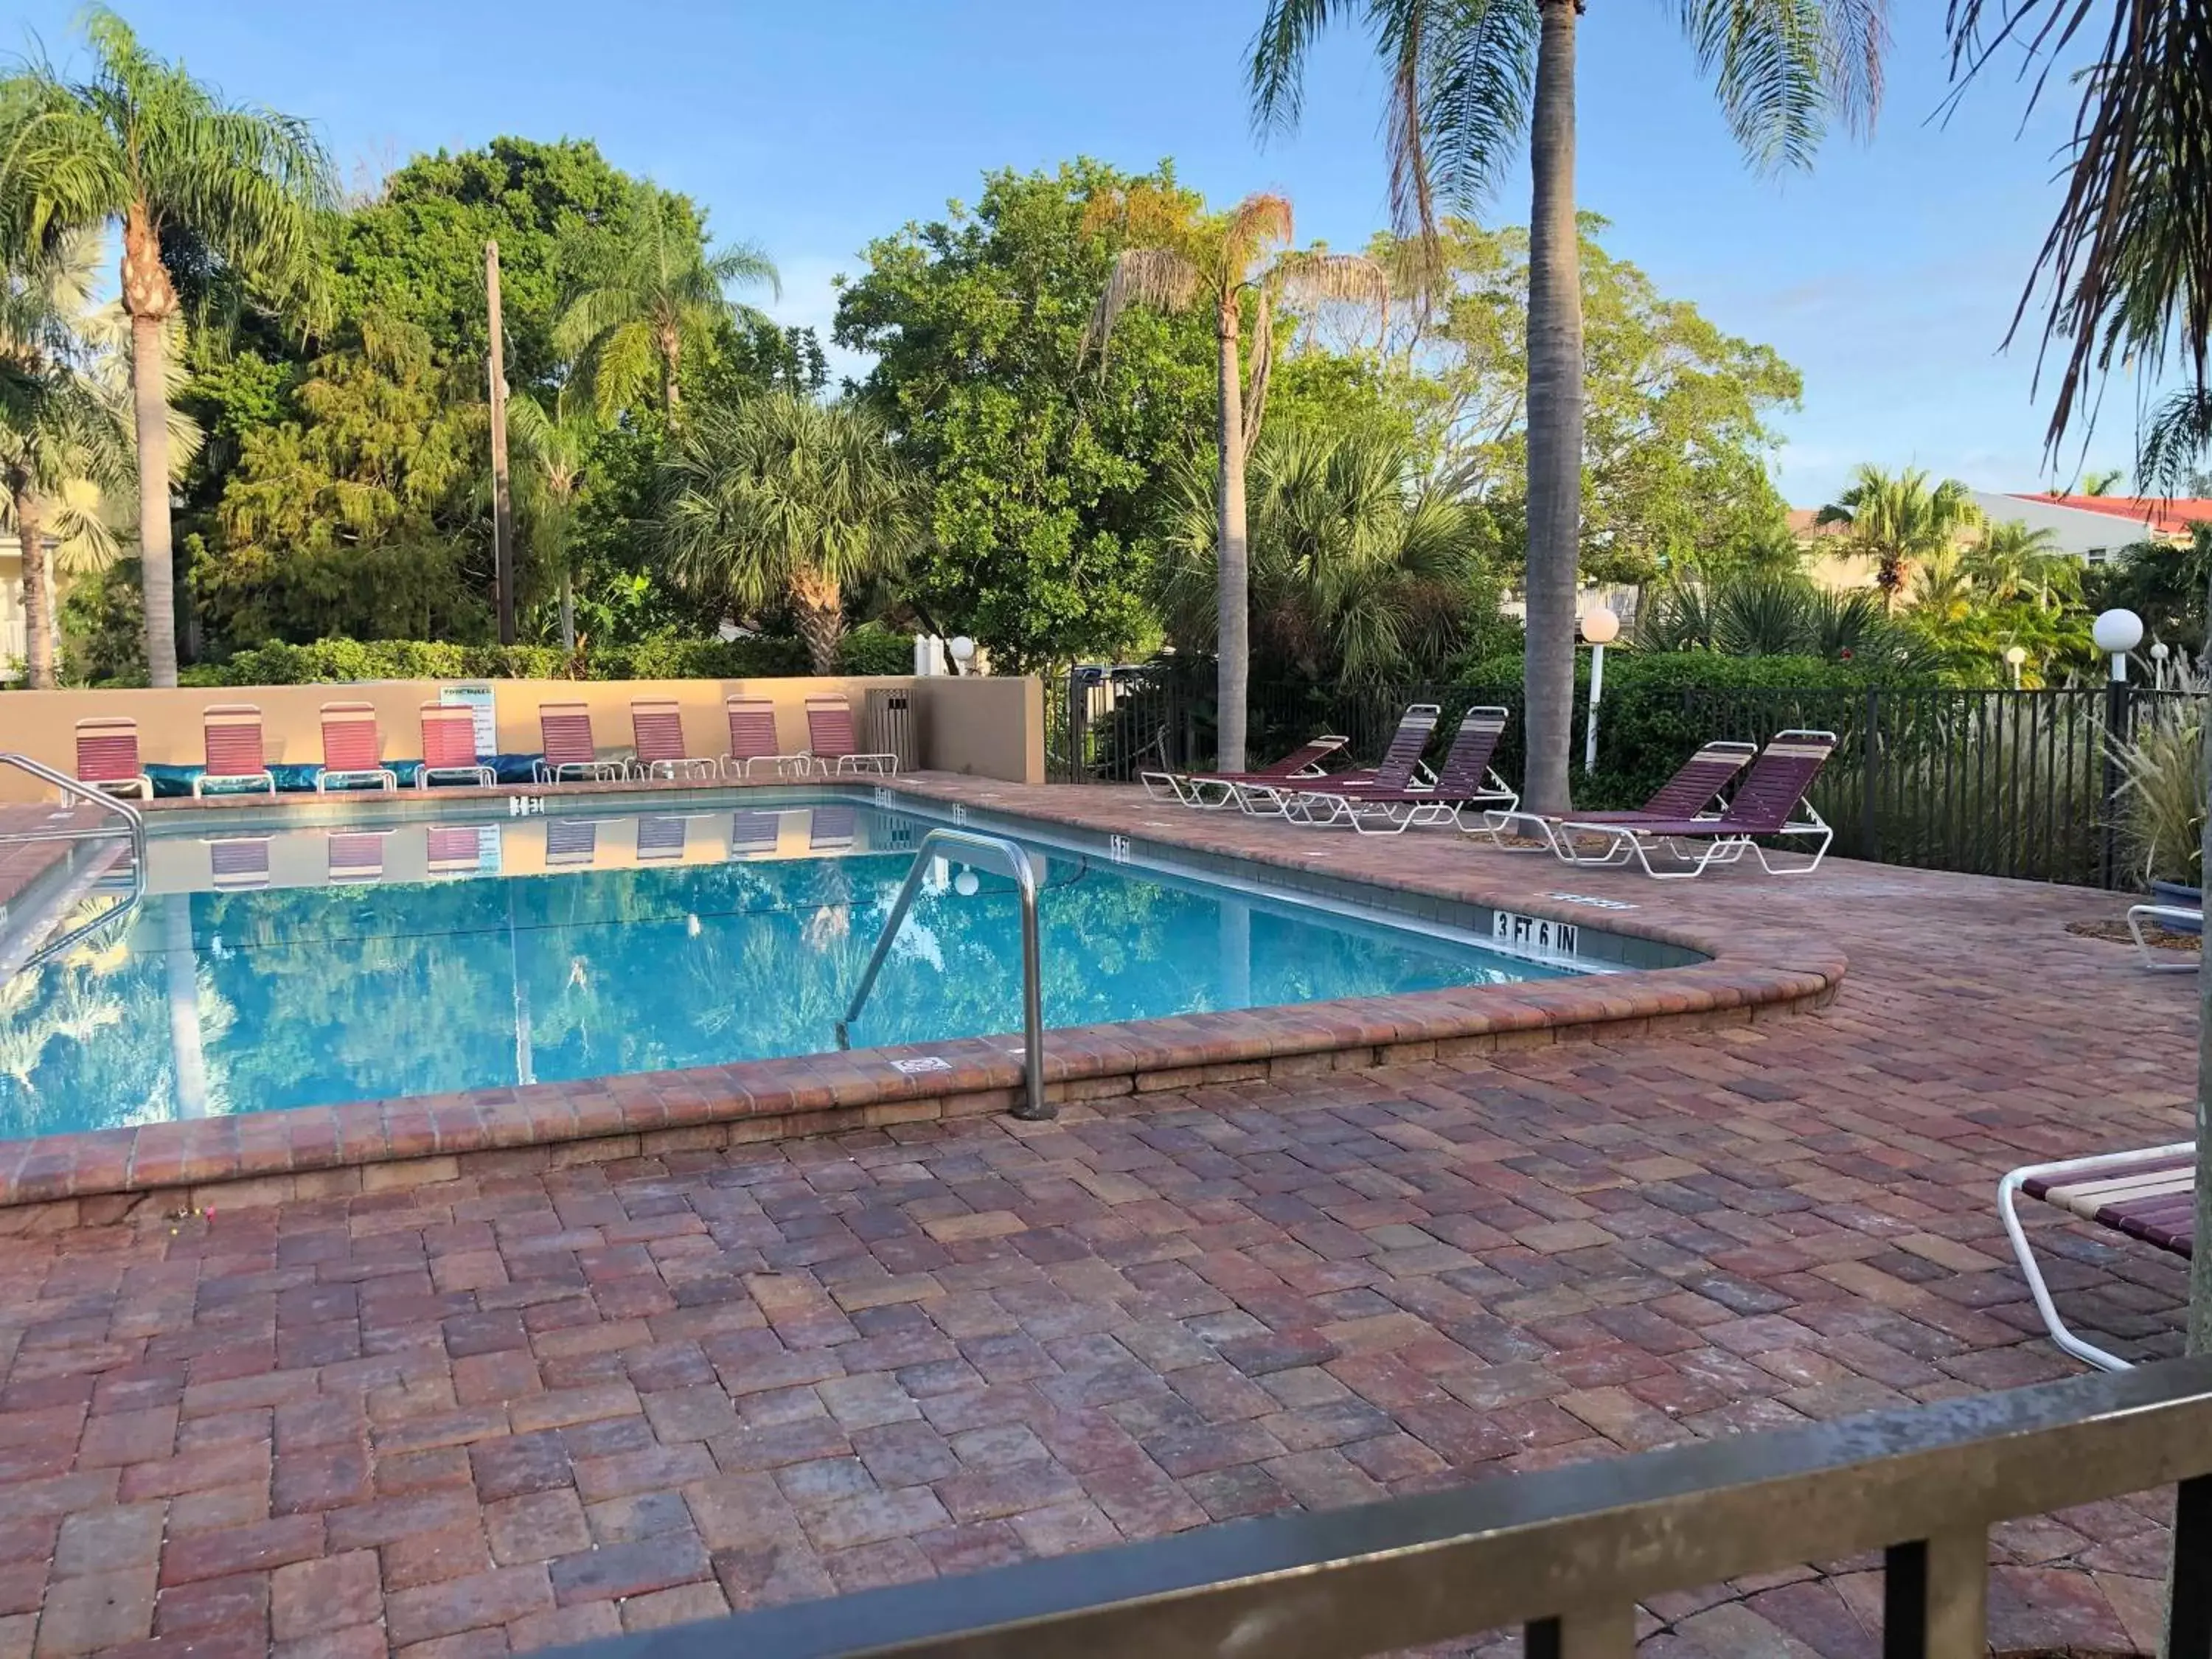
point(502, 504)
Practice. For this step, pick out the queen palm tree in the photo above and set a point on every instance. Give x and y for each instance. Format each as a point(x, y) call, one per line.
point(1173, 258)
point(188, 178)
point(55, 430)
point(1466, 79)
point(788, 497)
point(1896, 518)
point(553, 449)
point(2012, 561)
point(662, 296)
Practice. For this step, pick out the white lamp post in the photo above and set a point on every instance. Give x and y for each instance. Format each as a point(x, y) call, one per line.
point(2015, 656)
point(964, 652)
point(2158, 653)
point(1601, 628)
point(2118, 633)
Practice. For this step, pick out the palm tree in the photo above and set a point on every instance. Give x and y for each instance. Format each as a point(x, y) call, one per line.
point(1363, 569)
point(2012, 561)
point(787, 496)
point(1896, 518)
point(189, 179)
point(1465, 78)
point(661, 297)
point(1173, 258)
point(2103, 483)
point(553, 449)
point(56, 434)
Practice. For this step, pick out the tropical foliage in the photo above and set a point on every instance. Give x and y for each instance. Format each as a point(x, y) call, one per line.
point(1897, 517)
point(1464, 85)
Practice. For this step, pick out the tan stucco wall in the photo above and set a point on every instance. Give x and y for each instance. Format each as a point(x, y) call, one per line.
point(988, 728)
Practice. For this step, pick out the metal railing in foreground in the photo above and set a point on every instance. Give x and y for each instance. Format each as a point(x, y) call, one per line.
point(1011, 857)
point(132, 823)
point(1568, 1553)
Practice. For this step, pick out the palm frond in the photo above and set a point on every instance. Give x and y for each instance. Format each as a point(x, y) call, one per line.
point(2176, 442)
point(1161, 278)
point(1275, 74)
point(1785, 68)
point(2125, 270)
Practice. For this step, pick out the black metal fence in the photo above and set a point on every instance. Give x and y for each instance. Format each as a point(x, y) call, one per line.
point(1983, 782)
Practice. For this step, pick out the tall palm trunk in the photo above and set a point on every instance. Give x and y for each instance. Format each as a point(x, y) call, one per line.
point(1555, 415)
point(181, 964)
point(149, 298)
point(1232, 615)
point(568, 605)
point(819, 605)
point(671, 349)
point(37, 591)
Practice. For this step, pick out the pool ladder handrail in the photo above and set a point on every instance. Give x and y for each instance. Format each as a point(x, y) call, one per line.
point(1014, 859)
point(134, 822)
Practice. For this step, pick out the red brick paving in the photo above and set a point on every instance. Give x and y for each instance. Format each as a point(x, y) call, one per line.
point(505, 1411)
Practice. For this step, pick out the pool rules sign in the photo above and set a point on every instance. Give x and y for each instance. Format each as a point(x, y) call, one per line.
point(1540, 934)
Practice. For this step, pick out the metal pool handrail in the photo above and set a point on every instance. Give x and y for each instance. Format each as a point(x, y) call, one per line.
point(134, 822)
point(1015, 861)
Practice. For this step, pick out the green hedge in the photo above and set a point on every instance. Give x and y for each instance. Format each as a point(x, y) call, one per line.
point(866, 650)
point(1659, 707)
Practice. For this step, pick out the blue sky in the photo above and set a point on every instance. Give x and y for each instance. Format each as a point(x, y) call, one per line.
point(1887, 275)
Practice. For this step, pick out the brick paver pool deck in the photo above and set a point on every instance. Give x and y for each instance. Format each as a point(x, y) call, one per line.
point(506, 1411)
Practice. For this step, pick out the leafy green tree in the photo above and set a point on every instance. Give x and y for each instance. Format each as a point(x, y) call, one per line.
point(1897, 518)
point(145, 146)
point(657, 294)
point(1364, 567)
point(414, 253)
point(1045, 473)
point(1677, 427)
point(785, 496)
point(1176, 258)
point(1465, 82)
point(361, 518)
point(1755, 614)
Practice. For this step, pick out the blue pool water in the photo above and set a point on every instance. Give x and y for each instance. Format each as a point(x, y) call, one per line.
point(307, 967)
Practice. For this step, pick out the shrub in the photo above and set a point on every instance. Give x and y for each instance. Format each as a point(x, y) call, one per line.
point(665, 658)
point(872, 648)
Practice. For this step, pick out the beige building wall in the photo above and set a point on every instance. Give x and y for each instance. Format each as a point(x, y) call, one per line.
point(987, 728)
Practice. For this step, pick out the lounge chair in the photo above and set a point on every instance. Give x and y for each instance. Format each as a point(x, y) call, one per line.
point(831, 741)
point(660, 837)
point(657, 723)
point(754, 833)
point(232, 734)
point(1464, 780)
point(107, 757)
point(456, 849)
point(1400, 764)
point(565, 730)
point(238, 863)
point(2181, 917)
point(2150, 1195)
point(356, 857)
point(449, 747)
point(830, 829)
point(753, 740)
point(1771, 802)
point(572, 841)
point(1692, 792)
point(1212, 791)
point(353, 750)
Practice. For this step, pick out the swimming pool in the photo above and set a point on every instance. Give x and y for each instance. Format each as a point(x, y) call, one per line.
point(274, 967)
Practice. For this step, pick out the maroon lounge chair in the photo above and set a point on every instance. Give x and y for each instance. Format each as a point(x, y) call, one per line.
point(1769, 803)
point(2149, 1195)
point(1399, 766)
point(1212, 791)
point(1374, 807)
point(1690, 794)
